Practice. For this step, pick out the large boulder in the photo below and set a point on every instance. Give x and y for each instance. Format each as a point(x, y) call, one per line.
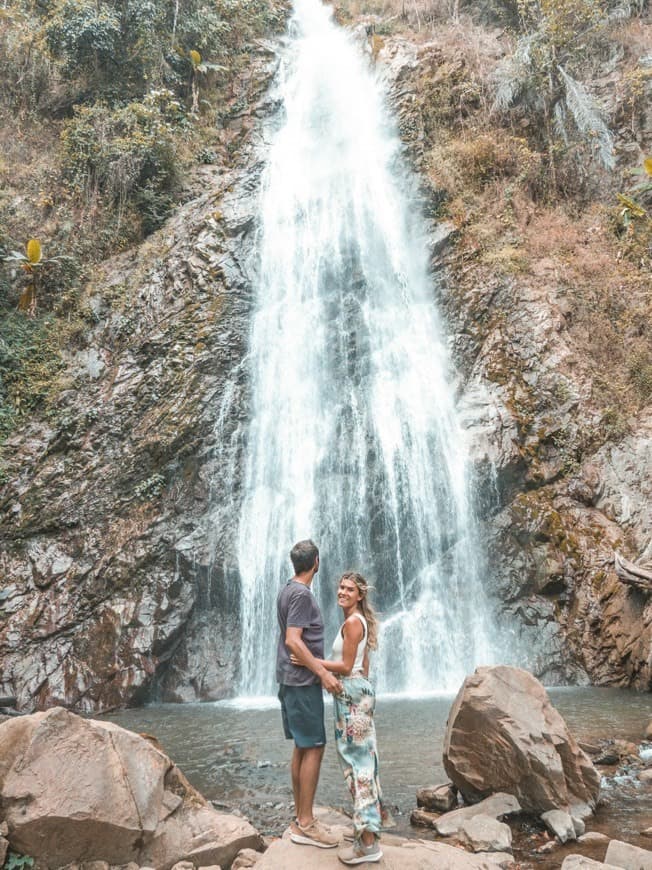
point(504, 735)
point(74, 790)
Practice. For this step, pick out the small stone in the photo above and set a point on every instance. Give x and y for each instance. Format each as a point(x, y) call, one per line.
point(645, 776)
point(547, 847)
point(184, 865)
point(96, 865)
point(246, 858)
point(499, 804)
point(560, 824)
point(593, 837)
point(647, 833)
point(607, 756)
point(423, 819)
point(438, 798)
point(627, 856)
point(485, 834)
point(648, 731)
point(579, 826)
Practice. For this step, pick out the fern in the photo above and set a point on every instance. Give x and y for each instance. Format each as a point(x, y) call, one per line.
point(586, 116)
point(513, 73)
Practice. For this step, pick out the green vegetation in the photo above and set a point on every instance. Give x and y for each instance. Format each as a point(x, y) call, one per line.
point(105, 108)
point(15, 861)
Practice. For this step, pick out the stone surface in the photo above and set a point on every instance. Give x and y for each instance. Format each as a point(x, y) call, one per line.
point(79, 790)
point(648, 731)
point(504, 735)
point(578, 825)
point(110, 538)
point(560, 824)
point(246, 858)
point(4, 848)
point(424, 818)
point(485, 834)
point(627, 856)
point(495, 806)
point(437, 798)
point(593, 837)
point(645, 776)
point(409, 855)
point(580, 862)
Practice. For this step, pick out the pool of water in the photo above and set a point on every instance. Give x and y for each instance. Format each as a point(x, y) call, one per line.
point(235, 754)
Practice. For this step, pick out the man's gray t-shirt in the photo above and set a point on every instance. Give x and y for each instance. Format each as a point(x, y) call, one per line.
point(297, 607)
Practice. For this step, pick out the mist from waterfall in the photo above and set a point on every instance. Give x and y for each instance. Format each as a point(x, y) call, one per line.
point(354, 439)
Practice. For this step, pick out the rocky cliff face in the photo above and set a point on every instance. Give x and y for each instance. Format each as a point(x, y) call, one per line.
point(116, 508)
point(541, 310)
point(110, 519)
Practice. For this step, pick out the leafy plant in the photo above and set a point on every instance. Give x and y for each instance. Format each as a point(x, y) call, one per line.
point(15, 861)
point(32, 262)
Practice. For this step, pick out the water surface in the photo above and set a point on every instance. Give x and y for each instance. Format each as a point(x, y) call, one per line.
point(238, 757)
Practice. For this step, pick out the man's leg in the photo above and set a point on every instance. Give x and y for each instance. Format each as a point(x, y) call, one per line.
point(308, 765)
point(297, 756)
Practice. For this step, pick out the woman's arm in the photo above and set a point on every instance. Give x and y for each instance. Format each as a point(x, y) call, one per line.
point(352, 632)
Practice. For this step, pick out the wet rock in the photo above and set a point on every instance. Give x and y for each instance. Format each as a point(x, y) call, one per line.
point(560, 824)
point(75, 788)
point(607, 756)
point(593, 837)
point(485, 834)
point(647, 833)
point(648, 731)
point(4, 848)
point(627, 856)
point(645, 776)
point(503, 734)
point(437, 798)
point(496, 806)
point(578, 825)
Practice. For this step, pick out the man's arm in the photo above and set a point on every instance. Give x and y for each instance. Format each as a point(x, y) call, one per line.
point(294, 642)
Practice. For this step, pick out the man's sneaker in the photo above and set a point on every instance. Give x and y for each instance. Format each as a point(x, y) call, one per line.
point(358, 853)
point(314, 834)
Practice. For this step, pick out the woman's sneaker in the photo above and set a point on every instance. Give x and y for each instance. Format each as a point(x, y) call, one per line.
point(358, 853)
point(314, 834)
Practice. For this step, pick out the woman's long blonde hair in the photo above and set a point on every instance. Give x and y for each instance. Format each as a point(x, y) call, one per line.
point(365, 606)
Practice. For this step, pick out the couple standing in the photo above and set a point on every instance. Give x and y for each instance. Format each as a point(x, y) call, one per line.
point(303, 673)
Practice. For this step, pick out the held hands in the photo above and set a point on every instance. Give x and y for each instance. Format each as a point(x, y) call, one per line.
point(329, 681)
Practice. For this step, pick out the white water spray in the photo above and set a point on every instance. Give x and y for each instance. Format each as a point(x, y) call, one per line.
point(354, 439)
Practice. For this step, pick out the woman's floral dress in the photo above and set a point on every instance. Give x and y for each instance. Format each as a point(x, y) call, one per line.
point(355, 739)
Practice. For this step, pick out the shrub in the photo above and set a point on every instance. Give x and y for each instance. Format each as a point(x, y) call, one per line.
point(125, 154)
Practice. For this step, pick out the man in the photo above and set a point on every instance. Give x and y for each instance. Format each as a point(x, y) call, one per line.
point(300, 690)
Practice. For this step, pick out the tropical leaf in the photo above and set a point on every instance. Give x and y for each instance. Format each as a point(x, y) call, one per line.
point(34, 252)
point(587, 118)
point(635, 209)
point(647, 165)
point(195, 57)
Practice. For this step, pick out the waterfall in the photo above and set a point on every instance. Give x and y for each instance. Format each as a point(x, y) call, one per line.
point(354, 439)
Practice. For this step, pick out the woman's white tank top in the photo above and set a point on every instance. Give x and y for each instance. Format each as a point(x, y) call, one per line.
point(338, 646)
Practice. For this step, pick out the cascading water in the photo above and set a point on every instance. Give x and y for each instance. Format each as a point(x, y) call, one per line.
point(353, 439)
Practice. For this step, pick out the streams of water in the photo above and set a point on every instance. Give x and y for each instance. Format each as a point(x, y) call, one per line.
point(354, 439)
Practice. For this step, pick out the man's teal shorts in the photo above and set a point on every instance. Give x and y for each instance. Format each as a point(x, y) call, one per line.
point(302, 708)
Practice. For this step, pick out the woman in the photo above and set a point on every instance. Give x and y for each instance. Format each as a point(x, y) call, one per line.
point(355, 733)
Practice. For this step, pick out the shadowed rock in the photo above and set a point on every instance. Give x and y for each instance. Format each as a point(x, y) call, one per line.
point(504, 735)
point(76, 790)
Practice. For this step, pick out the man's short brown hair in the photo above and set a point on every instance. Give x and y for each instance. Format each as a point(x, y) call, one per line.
point(303, 556)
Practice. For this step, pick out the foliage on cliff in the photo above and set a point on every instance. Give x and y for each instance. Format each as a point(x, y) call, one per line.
point(106, 110)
